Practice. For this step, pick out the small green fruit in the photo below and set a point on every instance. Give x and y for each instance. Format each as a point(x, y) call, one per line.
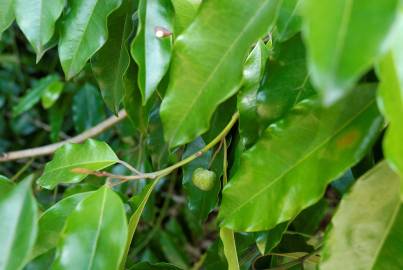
point(203, 179)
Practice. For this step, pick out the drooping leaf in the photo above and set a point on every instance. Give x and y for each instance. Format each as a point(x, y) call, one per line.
point(391, 101)
point(97, 243)
point(200, 203)
point(51, 94)
point(252, 74)
point(275, 182)
point(286, 82)
point(91, 155)
point(229, 245)
point(113, 59)
point(336, 50)
point(137, 113)
point(185, 12)
point(207, 63)
point(37, 21)
point(139, 202)
point(289, 20)
point(366, 231)
point(152, 52)
point(7, 14)
point(52, 221)
point(35, 93)
point(83, 32)
point(88, 108)
point(18, 227)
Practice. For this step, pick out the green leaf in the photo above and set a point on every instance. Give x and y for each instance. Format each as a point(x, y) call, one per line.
point(343, 39)
point(152, 53)
point(227, 237)
point(113, 59)
point(83, 32)
point(92, 155)
point(51, 94)
point(52, 221)
point(185, 12)
point(200, 203)
point(88, 108)
point(283, 180)
point(266, 241)
point(137, 113)
point(5, 185)
point(286, 82)
point(207, 63)
point(139, 202)
point(367, 228)
point(391, 101)
point(37, 20)
point(252, 74)
point(155, 266)
point(289, 20)
point(6, 14)
point(34, 94)
point(94, 235)
point(18, 210)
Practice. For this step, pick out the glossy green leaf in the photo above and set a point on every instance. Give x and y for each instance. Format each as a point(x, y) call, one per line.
point(289, 20)
point(343, 39)
point(283, 180)
point(51, 94)
point(139, 202)
point(92, 155)
point(18, 210)
point(35, 93)
point(207, 63)
point(252, 74)
point(286, 82)
point(151, 52)
point(99, 242)
point(83, 32)
point(154, 266)
point(6, 14)
point(391, 101)
point(200, 203)
point(367, 228)
point(52, 221)
point(113, 59)
point(88, 108)
point(37, 21)
point(185, 12)
point(266, 241)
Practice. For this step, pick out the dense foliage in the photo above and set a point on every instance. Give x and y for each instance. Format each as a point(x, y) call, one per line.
point(201, 134)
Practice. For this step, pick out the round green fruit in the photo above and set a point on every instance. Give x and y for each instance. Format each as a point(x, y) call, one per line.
point(203, 179)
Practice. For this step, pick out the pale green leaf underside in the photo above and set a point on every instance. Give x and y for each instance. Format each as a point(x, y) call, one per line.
point(391, 100)
point(276, 181)
point(367, 230)
point(207, 63)
point(343, 39)
point(83, 32)
point(92, 155)
point(97, 243)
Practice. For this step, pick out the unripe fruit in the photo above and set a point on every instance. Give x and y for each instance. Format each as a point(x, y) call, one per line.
point(203, 179)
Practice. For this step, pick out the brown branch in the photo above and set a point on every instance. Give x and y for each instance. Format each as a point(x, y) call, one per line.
point(49, 149)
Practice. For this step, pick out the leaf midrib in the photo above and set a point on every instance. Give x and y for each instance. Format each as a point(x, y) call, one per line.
point(186, 114)
point(302, 159)
point(78, 164)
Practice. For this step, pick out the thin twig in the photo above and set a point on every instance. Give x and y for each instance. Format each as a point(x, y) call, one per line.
point(49, 149)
